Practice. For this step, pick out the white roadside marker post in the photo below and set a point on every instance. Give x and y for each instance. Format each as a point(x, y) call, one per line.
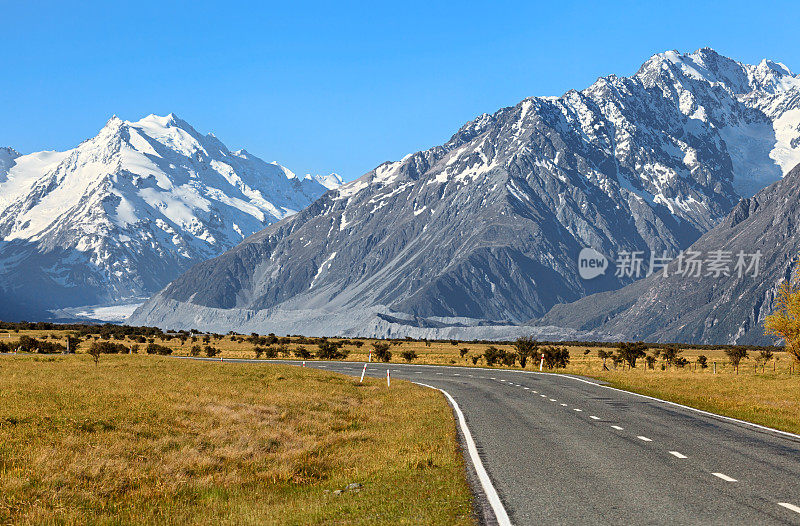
point(304, 363)
point(541, 363)
point(364, 370)
point(388, 379)
point(369, 358)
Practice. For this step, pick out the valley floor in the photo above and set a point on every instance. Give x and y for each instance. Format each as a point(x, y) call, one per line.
point(148, 439)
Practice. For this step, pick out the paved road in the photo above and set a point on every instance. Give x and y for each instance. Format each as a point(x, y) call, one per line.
point(564, 450)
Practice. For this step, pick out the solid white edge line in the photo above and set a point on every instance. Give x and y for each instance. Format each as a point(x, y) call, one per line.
point(725, 477)
point(677, 454)
point(790, 506)
point(486, 483)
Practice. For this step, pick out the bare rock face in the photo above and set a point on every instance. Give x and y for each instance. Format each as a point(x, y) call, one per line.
point(484, 231)
point(129, 210)
point(710, 308)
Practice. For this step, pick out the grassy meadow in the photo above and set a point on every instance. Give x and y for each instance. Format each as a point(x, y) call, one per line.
point(144, 438)
point(149, 439)
point(766, 394)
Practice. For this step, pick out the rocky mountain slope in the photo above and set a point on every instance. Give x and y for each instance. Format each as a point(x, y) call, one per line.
point(129, 210)
point(484, 230)
point(711, 307)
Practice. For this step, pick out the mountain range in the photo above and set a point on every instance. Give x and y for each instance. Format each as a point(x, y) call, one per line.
point(127, 211)
point(478, 236)
point(689, 303)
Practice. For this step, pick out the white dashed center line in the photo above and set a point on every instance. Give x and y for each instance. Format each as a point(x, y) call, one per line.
point(617, 428)
point(789, 506)
point(725, 477)
point(535, 391)
point(543, 396)
point(594, 417)
point(578, 410)
point(552, 399)
point(677, 454)
point(564, 405)
point(527, 388)
point(640, 437)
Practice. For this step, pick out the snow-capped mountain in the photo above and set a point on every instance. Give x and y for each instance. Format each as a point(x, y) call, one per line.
point(128, 210)
point(486, 229)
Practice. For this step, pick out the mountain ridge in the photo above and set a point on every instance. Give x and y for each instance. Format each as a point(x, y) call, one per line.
point(126, 211)
point(709, 308)
point(487, 226)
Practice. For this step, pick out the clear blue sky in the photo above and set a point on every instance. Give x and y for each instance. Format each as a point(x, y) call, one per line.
point(331, 86)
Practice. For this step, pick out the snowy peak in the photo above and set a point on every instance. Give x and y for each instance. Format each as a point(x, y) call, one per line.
point(330, 181)
point(141, 201)
point(707, 66)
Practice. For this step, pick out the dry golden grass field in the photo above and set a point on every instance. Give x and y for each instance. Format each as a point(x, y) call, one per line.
point(149, 439)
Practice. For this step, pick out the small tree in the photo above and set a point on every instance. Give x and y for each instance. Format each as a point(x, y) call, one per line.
point(702, 361)
point(94, 352)
point(764, 357)
point(329, 350)
point(671, 354)
point(650, 361)
point(154, 348)
point(784, 323)
point(555, 357)
point(525, 347)
point(409, 355)
point(302, 353)
point(259, 351)
point(508, 358)
point(196, 350)
point(475, 359)
point(630, 352)
point(72, 343)
point(735, 356)
point(382, 351)
point(463, 351)
point(492, 355)
point(211, 351)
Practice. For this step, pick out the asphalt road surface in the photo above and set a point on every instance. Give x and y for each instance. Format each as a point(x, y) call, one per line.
point(565, 450)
